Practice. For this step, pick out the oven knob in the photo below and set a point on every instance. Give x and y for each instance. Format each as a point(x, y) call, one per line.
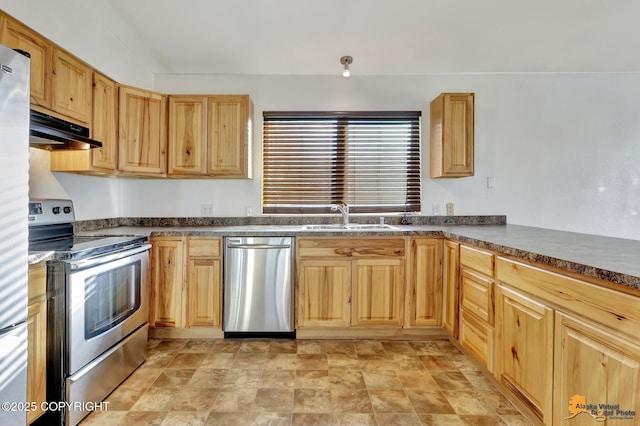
point(67, 210)
point(56, 210)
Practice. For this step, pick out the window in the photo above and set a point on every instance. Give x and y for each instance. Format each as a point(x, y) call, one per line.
point(313, 160)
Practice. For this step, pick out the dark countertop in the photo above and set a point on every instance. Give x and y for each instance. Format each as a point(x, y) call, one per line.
point(612, 259)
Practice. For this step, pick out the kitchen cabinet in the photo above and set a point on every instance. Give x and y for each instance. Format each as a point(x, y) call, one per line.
point(15, 35)
point(601, 366)
point(324, 293)
point(37, 340)
point(104, 129)
point(210, 135)
point(72, 87)
point(450, 283)
point(142, 138)
point(476, 332)
point(353, 282)
point(524, 349)
point(452, 135)
point(424, 283)
point(186, 287)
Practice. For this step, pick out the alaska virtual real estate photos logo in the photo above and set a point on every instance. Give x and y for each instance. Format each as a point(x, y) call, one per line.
point(600, 412)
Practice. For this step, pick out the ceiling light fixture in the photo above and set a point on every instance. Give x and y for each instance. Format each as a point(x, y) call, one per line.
point(346, 61)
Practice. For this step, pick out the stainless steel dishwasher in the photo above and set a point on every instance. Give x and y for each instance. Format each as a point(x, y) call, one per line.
point(258, 289)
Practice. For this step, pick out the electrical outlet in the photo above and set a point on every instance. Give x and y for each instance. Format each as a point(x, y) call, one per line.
point(491, 182)
point(206, 210)
point(249, 211)
point(449, 209)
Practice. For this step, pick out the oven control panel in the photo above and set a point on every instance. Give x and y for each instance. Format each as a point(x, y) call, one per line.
point(50, 211)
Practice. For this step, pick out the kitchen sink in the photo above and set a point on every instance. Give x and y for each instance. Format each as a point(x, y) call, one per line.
point(349, 227)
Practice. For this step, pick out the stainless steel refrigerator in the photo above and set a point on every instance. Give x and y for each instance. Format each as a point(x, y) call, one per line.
point(14, 202)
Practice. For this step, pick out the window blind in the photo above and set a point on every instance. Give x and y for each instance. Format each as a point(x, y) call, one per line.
point(313, 160)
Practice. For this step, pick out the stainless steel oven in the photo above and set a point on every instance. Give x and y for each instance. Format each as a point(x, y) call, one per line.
point(97, 310)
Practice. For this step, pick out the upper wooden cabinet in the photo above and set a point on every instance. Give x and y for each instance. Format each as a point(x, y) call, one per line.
point(17, 36)
point(60, 82)
point(105, 129)
point(72, 83)
point(452, 131)
point(210, 135)
point(142, 147)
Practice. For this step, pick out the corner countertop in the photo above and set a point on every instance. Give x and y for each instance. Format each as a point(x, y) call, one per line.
point(612, 259)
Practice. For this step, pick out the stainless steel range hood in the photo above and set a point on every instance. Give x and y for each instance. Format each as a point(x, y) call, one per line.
point(51, 133)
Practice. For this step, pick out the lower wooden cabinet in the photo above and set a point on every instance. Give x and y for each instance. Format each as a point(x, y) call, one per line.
point(450, 285)
point(594, 365)
point(524, 350)
point(324, 293)
point(186, 284)
point(477, 337)
point(423, 297)
point(378, 286)
point(37, 341)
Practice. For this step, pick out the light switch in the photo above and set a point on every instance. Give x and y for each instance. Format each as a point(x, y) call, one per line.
point(491, 182)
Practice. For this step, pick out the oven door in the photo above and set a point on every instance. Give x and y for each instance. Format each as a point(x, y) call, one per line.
point(107, 299)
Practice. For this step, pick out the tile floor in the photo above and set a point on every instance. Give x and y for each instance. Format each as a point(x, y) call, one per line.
point(306, 382)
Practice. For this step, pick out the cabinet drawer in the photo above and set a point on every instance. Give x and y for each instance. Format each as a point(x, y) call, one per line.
point(478, 338)
point(480, 260)
point(204, 247)
point(350, 247)
point(477, 295)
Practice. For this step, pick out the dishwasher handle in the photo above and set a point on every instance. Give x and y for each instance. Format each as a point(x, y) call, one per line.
point(259, 246)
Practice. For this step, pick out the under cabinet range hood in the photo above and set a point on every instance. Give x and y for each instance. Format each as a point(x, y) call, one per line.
point(47, 132)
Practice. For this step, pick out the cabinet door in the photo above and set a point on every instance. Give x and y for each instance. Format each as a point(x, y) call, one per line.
point(378, 292)
point(105, 122)
point(324, 293)
point(450, 287)
point(524, 350)
point(229, 120)
point(167, 278)
point(424, 289)
point(204, 292)
point(16, 36)
point(142, 139)
point(476, 295)
point(478, 338)
point(36, 357)
point(72, 87)
point(593, 365)
point(452, 129)
point(187, 135)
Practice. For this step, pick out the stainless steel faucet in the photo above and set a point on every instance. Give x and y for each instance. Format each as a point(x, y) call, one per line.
point(344, 210)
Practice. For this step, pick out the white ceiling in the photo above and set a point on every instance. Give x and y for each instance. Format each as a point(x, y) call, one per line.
point(385, 37)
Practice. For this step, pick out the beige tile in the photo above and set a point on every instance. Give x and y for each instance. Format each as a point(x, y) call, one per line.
point(426, 348)
point(343, 360)
point(234, 400)
point(195, 399)
point(406, 362)
point(278, 361)
point(199, 346)
point(433, 402)
point(346, 378)
point(351, 401)
point(142, 378)
point(283, 347)
point(478, 380)
point(123, 398)
point(376, 362)
point(187, 360)
point(228, 419)
point(312, 401)
point(438, 363)
point(185, 418)
point(417, 379)
point(105, 418)
point(242, 378)
point(451, 381)
point(147, 418)
point(398, 419)
point(447, 347)
point(383, 379)
point(478, 420)
point(173, 377)
point(311, 347)
point(356, 419)
point(312, 362)
point(273, 400)
point(369, 347)
point(159, 359)
point(312, 379)
point(250, 360)
point(340, 347)
point(218, 360)
point(230, 346)
point(256, 346)
point(171, 345)
point(156, 399)
point(398, 348)
point(270, 419)
point(278, 379)
point(441, 420)
point(314, 419)
point(207, 378)
point(497, 402)
point(515, 420)
point(152, 343)
point(390, 401)
point(467, 403)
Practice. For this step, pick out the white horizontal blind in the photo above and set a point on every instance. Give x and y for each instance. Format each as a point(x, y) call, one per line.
point(313, 160)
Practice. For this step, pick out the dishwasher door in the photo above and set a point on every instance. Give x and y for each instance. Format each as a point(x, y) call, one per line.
point(258, 289)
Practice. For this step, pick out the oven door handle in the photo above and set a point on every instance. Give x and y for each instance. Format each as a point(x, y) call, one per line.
point(99, 260)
